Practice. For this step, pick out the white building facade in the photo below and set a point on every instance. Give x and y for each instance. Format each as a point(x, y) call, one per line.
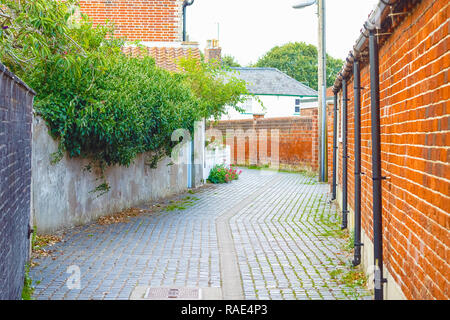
point(275, 94)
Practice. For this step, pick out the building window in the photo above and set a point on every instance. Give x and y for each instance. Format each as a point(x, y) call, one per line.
point(297, 106)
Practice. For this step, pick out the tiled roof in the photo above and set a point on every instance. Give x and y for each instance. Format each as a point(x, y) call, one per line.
point(165, 57)
point(273, 82)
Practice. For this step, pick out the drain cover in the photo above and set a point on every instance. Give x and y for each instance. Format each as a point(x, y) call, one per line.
point(172, 293)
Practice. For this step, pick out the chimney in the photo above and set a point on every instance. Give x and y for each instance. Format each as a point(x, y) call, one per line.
point(213, 52)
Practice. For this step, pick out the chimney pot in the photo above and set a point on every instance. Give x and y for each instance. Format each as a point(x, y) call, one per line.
point(213, 52)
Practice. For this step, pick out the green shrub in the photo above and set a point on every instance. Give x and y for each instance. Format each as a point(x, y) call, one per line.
point(101, 104)
point(221, 174)
point(133, 107)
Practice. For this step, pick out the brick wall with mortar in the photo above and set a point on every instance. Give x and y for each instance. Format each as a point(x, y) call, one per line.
point(15, 182)
point(415, 153)
point(139, 19)
point(298, 140)
point(330, 117)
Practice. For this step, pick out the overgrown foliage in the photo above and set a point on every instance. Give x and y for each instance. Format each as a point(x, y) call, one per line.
point(101, 104)
point(221, 174)
point(299, 60)
point(28, 289)
point(214, 86)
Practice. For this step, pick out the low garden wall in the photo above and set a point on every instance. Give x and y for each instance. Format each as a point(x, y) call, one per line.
point(216, 155)
point(63, 192)
point(288, 142)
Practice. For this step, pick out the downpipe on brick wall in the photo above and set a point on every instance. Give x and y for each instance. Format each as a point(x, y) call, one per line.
point(357, 126)
point(376, 163)
point(186, 3)
point(344, 154)
point(335, 147)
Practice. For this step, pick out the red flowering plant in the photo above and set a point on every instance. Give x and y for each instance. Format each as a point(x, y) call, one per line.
point(222, 174)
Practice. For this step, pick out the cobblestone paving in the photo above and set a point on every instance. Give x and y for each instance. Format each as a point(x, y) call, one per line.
point(285, 251)
point(280, 239)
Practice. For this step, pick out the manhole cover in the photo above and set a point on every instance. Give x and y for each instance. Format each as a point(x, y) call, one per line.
point(173, 293)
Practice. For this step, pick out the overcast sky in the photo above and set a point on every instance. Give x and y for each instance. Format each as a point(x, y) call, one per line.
point(249, 28)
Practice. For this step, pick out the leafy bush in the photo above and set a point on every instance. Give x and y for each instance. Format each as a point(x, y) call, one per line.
point(214, 85)
point(221, 174)
point(100, 103)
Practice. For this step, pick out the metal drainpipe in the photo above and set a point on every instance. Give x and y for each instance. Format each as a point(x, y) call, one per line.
point(344, 154)
point(186, 3)
point(357, 107)
point(376, 164)
point(335, 147)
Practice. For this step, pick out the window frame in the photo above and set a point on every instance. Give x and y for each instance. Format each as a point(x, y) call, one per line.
point(297, 105)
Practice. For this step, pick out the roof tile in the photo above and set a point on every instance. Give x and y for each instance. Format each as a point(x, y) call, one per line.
point(165, 57)
point(273, 82)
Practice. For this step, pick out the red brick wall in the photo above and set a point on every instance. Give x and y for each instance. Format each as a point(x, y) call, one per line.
point(330, 117)
point(298, 139)
point(138, 19)
point(415, 154)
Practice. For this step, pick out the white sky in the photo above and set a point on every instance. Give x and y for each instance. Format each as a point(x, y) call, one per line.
point(249, 28)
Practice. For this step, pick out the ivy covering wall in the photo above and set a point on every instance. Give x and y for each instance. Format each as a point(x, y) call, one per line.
point(100, 103)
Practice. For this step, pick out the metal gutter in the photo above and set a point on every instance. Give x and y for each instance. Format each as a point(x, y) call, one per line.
point(375, 18)
point(186, 3)
point(344, 154)
point(335, 147)
point(357, 197)
point(376, 164)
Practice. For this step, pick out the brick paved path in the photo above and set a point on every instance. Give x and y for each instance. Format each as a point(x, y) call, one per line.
point(272, 227)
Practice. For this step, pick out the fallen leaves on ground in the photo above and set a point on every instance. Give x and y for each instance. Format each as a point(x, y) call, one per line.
point(120, 217)
point(40, 247)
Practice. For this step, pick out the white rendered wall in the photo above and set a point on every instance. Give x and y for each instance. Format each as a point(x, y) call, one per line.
point(61, 192)
point(274, 107)
point(216, 155)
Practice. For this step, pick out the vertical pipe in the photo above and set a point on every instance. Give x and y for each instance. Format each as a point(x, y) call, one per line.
point(193, 163)
point(186, 3)
point(357, 206)
point(184, 21)
point(376, 164)
point(323, 83)
point(334, 145)
point(344, 154)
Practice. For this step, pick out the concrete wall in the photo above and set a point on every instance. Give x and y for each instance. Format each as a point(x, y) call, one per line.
point(62, 194)
point(275, 107)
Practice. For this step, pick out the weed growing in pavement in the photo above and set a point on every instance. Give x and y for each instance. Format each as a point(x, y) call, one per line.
point(181, 204)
